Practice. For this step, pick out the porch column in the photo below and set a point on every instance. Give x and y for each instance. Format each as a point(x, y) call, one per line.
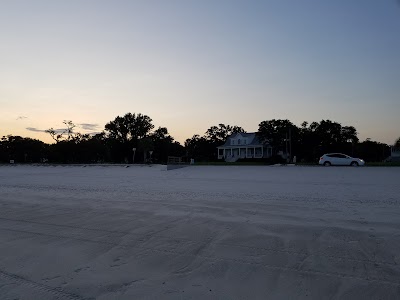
point(262, 152)
point(224, 153)
point(246, 152)
point(254, 152)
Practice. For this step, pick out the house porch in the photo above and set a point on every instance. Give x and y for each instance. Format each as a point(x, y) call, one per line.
point(244, 152)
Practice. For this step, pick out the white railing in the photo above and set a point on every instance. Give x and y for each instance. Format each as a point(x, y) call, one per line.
point(242, 154)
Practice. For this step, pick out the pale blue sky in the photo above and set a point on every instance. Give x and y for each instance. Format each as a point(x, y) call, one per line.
point(193, 64)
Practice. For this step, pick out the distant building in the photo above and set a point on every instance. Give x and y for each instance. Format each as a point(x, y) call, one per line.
point(243, 145)
point(394, 153)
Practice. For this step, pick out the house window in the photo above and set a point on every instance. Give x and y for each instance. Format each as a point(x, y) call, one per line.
point(233, 142)
point(245, 142)
point(238, 141)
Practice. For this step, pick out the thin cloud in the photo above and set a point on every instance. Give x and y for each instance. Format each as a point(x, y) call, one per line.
point(21, 118)
point(88, 126)
point(59, 130)
point(34, 129)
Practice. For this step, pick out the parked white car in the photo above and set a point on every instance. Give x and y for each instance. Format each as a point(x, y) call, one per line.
point(339, 159)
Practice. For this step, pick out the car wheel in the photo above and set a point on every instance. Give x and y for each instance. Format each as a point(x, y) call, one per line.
point(327, 164)
point(354, 164)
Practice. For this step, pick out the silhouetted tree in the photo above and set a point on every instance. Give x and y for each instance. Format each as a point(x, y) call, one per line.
point(199, 148)
point(161, 133)
point(145, 145)
point(279, 134)
point(218, 134)
point(349, 135)
point(309, 142)
point(58, 136)
point(326, 136)
point(69, 146)
point(22, 150)
point(123, 133)
point(397, 143)
point(130, 127)
point(164, 145)
point(372, 151)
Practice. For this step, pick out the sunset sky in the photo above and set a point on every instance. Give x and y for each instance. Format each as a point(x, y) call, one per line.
point(193, 64)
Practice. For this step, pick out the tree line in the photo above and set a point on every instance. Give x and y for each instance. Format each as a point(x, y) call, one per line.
point(307, 142)
point(133, 138)
point(114, 144)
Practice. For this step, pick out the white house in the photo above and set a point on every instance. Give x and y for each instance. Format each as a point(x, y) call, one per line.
point(243, 145)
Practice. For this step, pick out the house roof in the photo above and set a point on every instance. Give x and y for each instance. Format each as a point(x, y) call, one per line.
point(254, 140)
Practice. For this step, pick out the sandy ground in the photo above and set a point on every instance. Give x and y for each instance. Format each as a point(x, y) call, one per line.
point(199, 233)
